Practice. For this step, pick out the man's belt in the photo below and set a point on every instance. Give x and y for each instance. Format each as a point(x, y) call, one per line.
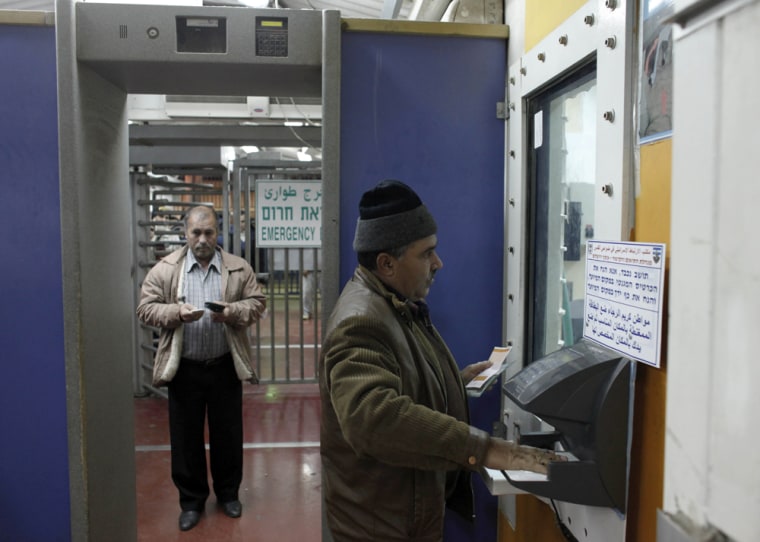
point(208, 362)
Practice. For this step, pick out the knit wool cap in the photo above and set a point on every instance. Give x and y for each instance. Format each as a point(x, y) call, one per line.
point(391, 215)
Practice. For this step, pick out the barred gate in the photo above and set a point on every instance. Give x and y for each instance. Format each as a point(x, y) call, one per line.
point(286, 340)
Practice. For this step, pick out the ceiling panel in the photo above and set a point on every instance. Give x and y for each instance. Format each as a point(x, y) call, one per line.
point(28, 5)
point(363, 9)
point(348, 8)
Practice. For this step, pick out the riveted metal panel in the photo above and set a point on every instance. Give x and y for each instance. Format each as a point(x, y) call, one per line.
point(582, 36)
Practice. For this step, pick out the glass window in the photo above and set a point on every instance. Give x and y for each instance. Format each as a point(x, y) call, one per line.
point(562, 168)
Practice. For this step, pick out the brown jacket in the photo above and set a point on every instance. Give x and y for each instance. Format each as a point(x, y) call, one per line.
point(159, 307)
point(387, 441)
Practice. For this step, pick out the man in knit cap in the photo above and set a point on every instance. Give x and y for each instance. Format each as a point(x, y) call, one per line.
point(396, 443)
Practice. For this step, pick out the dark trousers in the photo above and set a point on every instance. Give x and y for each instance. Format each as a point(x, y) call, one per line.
point(198, 389)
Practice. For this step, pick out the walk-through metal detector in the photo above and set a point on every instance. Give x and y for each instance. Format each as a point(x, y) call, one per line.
point(105, 52)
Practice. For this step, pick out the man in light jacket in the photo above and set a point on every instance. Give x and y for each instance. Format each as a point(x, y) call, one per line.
point(203, 357)
point(396, 443)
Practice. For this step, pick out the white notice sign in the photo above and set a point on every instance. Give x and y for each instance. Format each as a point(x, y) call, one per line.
point(288, 213)
point(624, 298)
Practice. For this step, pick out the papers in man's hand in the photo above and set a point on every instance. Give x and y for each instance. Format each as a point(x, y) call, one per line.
point(482, 381)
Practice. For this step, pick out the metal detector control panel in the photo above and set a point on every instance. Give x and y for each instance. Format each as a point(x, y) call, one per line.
point(205, 50)
point(271, 36)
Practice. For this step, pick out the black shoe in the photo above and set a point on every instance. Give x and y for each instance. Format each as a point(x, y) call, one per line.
point(189, 519)
point(232, 509)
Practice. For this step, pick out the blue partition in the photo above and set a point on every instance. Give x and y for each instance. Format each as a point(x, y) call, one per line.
point(34, 472)
point(422, 109)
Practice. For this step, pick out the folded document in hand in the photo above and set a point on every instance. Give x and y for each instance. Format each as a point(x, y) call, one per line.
point(482, 381)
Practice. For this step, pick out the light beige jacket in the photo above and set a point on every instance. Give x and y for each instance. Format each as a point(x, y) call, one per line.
point(159, 307)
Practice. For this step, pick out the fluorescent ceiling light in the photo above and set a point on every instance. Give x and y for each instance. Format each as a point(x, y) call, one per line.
point(256, 3)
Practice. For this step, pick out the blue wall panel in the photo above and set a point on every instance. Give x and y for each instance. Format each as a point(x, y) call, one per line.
point(34, 481)
point(422, 109)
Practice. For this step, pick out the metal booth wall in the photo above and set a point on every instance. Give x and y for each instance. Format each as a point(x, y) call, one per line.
point(423, 109)
point(33, 457)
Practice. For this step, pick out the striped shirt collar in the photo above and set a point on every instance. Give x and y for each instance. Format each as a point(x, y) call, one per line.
point(216, 261)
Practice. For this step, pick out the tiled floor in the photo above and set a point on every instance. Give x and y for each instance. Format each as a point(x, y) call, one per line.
point(281, 489)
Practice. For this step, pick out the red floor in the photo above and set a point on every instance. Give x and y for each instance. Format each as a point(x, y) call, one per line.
point(281, 489)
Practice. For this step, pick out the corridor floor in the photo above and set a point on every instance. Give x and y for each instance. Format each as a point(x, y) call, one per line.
point(281, 489)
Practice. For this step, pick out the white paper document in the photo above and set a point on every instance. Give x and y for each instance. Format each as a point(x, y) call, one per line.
point(498, 359)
